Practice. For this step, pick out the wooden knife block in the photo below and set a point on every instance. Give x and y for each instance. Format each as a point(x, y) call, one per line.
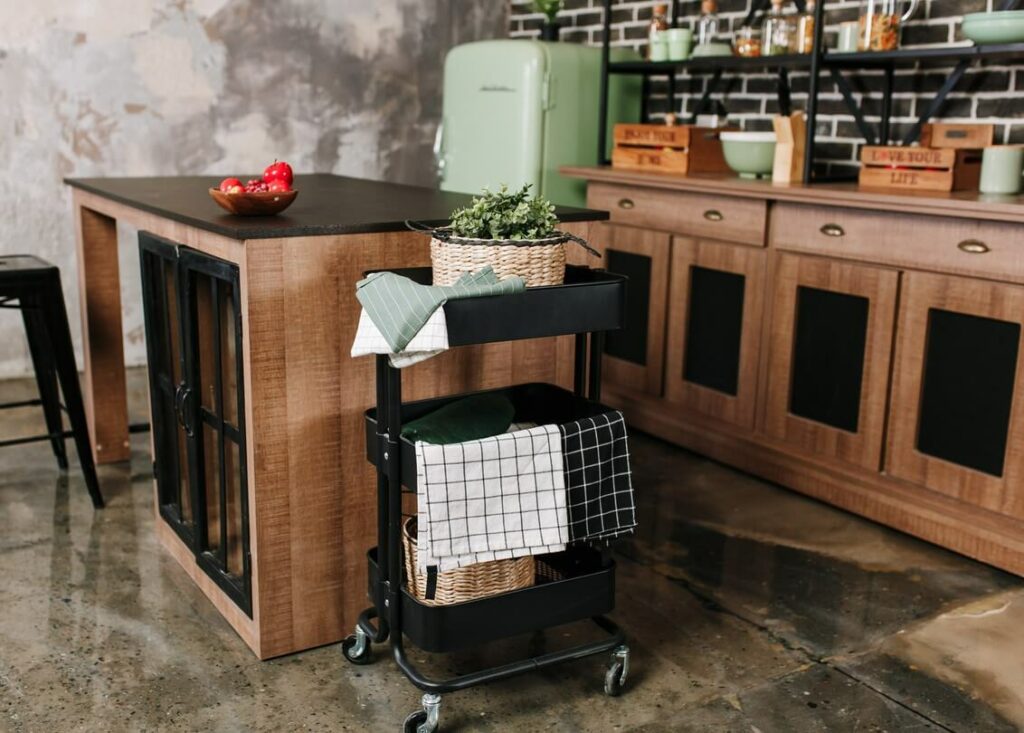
point(790, 147)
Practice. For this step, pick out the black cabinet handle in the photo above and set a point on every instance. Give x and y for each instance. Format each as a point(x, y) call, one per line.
point(832, 230)
point(181, 396)
point(626, 203)
point(973, 247)
point(713, 215)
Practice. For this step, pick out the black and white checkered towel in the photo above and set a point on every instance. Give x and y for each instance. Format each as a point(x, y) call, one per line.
point(598, 477)
point(491, 499)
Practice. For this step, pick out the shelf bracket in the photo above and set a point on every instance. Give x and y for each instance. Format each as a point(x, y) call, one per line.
point(785, 100)
point(937, 101)
point(851, 104)
point(710, 87)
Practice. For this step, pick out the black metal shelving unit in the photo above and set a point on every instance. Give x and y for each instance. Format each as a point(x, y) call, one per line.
point(816, 62)
point(588, 304)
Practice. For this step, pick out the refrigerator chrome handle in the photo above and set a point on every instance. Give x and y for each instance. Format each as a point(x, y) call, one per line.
point(439, 159)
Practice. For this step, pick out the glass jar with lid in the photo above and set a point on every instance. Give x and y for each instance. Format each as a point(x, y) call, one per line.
point(776, 31)
point(880, 24)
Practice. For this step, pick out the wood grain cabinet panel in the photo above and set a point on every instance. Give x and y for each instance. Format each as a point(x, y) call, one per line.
point(954, 245)
point(728, 218)
point(957, 423)
point(829, 354)
point(634, 356)
point(714, 328)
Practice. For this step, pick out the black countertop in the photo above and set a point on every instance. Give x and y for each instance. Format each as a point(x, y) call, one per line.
point(326, 204)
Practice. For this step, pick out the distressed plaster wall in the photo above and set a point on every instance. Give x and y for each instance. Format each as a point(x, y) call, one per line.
point(165, 87)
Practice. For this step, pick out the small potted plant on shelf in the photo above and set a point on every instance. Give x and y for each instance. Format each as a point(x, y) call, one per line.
point(551, 28)
point(513, 232)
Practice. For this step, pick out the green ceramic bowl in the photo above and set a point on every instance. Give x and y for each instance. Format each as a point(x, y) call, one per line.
point(1006, 26)
point(751, 154)
point(711, 50)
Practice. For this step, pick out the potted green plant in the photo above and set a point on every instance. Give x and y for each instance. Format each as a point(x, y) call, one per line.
point(551, 28)
point(514, 232)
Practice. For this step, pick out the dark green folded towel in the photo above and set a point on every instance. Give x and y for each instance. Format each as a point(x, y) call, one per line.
point(469, 418)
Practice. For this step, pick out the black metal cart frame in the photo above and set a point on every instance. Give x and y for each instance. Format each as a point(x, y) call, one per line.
point(590, 303)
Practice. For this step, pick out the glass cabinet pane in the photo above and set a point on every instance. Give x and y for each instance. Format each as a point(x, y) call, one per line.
point(235, 534)
point(228, 356)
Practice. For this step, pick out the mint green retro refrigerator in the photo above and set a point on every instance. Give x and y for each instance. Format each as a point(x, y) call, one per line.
point(517, 110)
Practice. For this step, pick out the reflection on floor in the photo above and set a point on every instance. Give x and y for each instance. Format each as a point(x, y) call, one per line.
point(749, 609)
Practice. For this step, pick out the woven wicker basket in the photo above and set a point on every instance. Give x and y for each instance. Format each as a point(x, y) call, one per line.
point(537, 261)
point(468, 583)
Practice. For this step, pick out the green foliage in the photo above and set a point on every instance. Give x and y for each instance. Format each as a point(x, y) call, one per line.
point(505, 215)
point(550, 8)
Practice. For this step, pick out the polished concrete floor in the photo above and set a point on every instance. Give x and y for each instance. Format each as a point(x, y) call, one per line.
point(749, 608)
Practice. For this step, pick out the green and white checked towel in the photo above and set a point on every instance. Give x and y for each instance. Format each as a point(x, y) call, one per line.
point(399, 307)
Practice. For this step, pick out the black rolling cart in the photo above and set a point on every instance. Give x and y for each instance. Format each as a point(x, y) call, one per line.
point(589, 303)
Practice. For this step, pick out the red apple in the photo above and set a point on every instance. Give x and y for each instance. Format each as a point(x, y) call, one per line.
point(278, 171)
point(229, 184)
point(278, 186)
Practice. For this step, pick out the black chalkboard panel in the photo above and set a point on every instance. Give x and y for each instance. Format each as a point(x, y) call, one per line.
point(967, 390)
point(630, 343)
point(714, 329)
point(828, 357)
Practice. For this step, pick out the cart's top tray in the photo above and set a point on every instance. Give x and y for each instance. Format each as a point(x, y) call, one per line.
point(589, 300)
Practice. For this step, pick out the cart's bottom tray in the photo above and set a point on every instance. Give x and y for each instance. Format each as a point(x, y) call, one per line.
point(586, 588)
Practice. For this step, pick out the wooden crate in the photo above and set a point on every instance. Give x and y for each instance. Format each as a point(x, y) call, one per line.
point(957, 135)
point(921, 169)
point(678, 149)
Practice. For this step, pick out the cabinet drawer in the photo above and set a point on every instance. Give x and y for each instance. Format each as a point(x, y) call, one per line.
point(699, 215)
point(968, 246)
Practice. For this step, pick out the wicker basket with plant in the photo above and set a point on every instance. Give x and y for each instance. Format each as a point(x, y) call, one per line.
point(513, 232)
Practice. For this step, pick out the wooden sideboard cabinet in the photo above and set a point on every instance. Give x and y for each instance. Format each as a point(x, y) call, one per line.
point(863, 347)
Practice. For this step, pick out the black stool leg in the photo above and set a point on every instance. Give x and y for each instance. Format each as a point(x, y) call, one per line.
point(46, 377)
point(56, 319)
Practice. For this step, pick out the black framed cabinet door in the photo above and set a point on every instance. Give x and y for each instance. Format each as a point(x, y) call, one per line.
point(165, 338)
point(957, 420)
point(216, 407)
point(193, 317)
point(714, 331)
point(830, 347)
point(634, 356)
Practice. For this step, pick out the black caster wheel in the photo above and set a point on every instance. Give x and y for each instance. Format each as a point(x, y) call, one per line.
point(425, 720)
point(356, 649)
point(415, 722)
point(615, 677)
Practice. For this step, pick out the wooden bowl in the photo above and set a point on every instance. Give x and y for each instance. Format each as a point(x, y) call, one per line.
point(253, 204)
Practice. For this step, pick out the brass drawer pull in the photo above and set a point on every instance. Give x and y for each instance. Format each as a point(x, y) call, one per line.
point(973, 247)
point(626, 203)
point(832, 230)
point(713, 215)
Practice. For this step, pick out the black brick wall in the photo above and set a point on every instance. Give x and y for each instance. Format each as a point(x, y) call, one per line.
point(991, 92)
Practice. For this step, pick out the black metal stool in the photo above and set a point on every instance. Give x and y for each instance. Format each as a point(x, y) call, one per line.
point(33, 286)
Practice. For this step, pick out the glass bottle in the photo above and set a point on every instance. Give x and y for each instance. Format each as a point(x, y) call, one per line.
point(658, 24)
point(707, 24)
point(776, 32)
point(804, 41)
point(879, 24)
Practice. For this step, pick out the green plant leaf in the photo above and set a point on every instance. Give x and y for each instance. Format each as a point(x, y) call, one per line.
point(506, 215)
point(549, 8)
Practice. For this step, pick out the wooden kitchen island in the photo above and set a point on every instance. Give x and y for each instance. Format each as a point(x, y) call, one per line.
point(860, 346)
point(264, 495)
